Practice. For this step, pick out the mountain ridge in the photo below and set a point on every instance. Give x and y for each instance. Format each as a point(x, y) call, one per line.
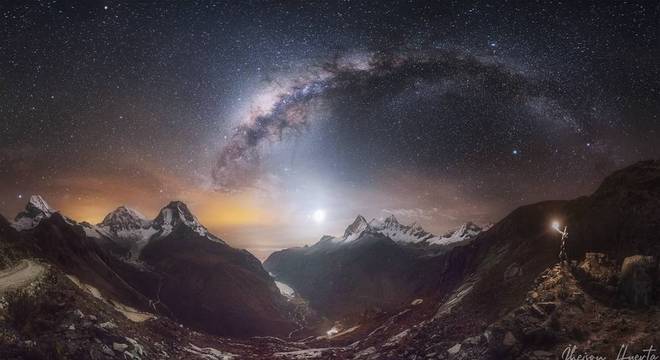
point(159, 265)
point(412, 234)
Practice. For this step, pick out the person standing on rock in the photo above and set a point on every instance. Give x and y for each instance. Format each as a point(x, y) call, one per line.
point(563, 258)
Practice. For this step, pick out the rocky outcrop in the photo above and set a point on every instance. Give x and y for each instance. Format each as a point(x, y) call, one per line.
point(598, 267)
point(636, 280)
point(11, 248)
point(559, 318)
point(621, 218)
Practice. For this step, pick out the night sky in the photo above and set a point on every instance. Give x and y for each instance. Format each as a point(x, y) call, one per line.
point(261, 114)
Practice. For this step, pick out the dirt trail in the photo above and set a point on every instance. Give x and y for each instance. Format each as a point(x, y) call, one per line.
point(20, 275)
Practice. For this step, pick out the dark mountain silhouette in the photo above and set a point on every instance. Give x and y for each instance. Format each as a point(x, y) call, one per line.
point(209, 284)
point(179, 269)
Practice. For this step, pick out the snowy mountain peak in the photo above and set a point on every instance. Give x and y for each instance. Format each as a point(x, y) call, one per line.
point(124, 219)
point(467, 231)
point(36, 210)
point(394, 230)
point(174, 214)
point(416, 228)
point(354, 230)
point(412, 234)
point(470, 227)
point(38, 203)
point(391, 220)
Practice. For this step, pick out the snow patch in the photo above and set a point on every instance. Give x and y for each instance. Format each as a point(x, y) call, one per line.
point(209, 353)
point(397, 338)
point(177, 213)
point(336, 332)
point(129, 312)
point(416, 302)
point(285, 290)
point(305, 353)
point(41, 204)
point(455, 298)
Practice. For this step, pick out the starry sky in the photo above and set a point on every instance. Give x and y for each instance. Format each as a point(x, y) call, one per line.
point(261, 114)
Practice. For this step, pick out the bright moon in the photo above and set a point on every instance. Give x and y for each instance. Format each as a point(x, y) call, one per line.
point(318, 216)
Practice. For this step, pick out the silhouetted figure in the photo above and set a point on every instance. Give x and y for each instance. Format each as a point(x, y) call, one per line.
point(563, 258)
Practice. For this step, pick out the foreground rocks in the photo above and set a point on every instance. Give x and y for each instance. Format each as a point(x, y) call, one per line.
point(558, 314)
point(53, 318)
point(637, 280)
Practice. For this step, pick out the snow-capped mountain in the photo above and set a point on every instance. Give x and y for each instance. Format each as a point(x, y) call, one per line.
point(467, 231)
point(413, 234)
point(128, 228)
point(124, 219)
point(354, 230)
point(391, 228)
point(174, 214)
point(132, 231)
point(382, 257)
point(36, 210)
point(171, 265)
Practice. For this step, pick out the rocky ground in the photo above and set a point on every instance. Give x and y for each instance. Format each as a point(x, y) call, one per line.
point(594, 306)
point(53, 318)
point(583, 309)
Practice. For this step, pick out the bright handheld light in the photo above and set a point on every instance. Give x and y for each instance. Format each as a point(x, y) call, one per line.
point(555, 225)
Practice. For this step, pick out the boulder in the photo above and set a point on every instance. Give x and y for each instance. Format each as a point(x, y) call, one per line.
point(509, 339)
point(119, 347)
point(454, 349)
point(514, 270)
point(547, 306)
point(106, 350)
point(636, 280)
point(598, 267)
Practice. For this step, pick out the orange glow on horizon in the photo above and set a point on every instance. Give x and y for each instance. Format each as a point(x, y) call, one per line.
point(214, 210)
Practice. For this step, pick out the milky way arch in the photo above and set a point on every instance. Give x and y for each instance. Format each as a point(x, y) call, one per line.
point(238, 162)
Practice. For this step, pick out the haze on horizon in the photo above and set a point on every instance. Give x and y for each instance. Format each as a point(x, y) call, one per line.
point(258, 116)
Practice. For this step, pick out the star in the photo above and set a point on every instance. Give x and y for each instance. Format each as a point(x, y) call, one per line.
point(329, 102)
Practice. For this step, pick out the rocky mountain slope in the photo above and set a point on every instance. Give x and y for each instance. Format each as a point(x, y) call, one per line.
point(209, 284)
point(500, 267)
point(374, 266)
point(171, 265)
point(480, 282)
